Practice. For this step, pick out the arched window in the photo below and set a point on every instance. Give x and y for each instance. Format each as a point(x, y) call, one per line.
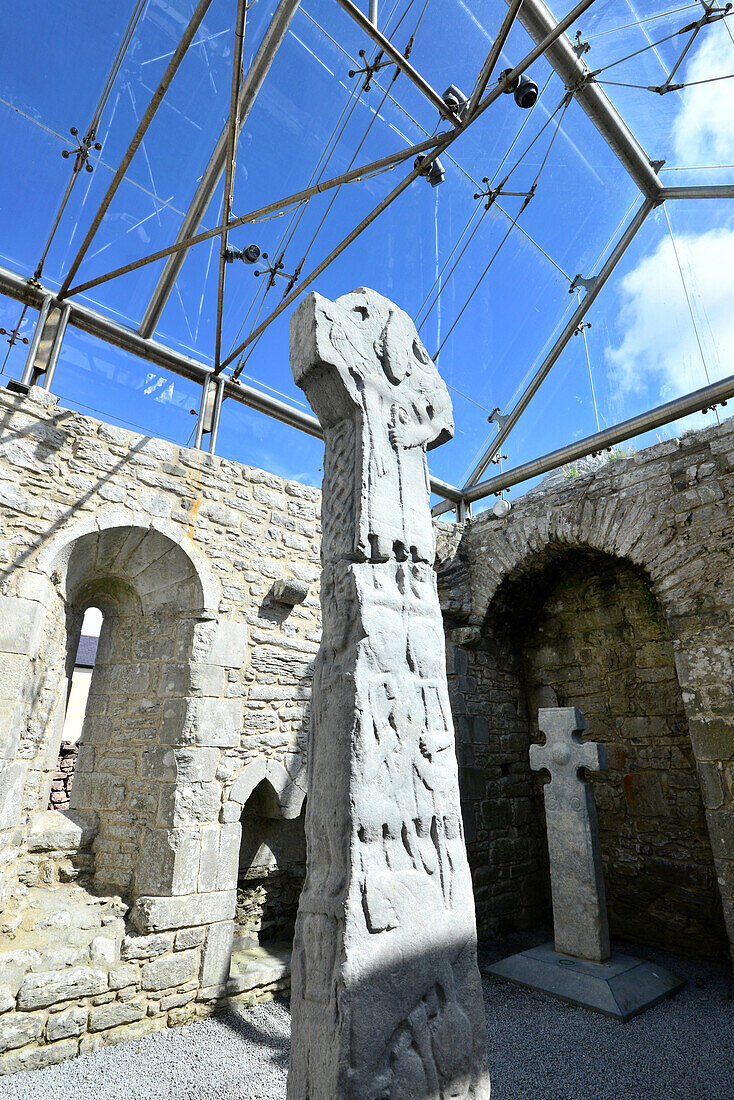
point(76, 705)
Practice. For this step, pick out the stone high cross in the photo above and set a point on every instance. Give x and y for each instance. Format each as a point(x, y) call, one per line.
point(386, 995)
point(577, 880)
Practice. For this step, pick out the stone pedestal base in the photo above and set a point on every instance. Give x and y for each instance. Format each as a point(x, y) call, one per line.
point(623, 987)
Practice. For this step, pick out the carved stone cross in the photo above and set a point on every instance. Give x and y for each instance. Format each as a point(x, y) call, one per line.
point(577, 880)
point(386, 996)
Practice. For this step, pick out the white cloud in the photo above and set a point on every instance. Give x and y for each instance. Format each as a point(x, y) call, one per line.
point(659, 349)
point(658, 354)
point(703, 132)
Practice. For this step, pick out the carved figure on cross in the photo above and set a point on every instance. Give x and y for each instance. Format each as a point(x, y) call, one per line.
point(577, 882)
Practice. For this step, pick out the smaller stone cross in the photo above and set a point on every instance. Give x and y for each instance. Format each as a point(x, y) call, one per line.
point(577, 881)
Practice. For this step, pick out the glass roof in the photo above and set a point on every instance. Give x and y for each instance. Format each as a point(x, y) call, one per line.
point(490, 283)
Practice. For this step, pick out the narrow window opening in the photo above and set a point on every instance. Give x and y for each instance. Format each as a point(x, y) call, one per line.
point(76, 705)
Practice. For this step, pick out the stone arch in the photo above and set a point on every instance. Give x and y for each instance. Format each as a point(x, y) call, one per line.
point(588, 632)
point(644, 531)
point(289, 791)
point(271, 856)
point(55, 554)
point(155, 726)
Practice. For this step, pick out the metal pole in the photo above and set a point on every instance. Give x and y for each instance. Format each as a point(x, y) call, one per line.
point(104, 328)
point(444, 143)
point(199, 433)
point(53, 357)
point(373, 12)
point(701, 191)
point(576, 317)
point(537, 20)
point(696, 401)
point(27, 375)
point(280, 204)
point(431, 143)
point(229, 168)
point(493, 56)
point(395, 55)
point(216, 413)
point(176, 58)
point(251, 85)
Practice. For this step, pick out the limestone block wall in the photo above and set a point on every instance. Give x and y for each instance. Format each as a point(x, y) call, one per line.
point(598, 637)
point(201, 690)
point(666, 513)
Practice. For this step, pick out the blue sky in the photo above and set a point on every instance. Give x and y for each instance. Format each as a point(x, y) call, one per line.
point(662, 326)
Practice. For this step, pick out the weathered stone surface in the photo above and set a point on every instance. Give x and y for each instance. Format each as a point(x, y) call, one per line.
point(170, 971)
point(113, 1015)
point(217, 953)
point(64, 1025)
point(19, 1028)
point(158, 914)
point(146, 947)
point(386, 997)
point(290, 591)
point(577, 880)
point(39, 990)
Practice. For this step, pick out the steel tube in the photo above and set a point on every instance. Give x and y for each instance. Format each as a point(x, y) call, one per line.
point(251, 85)
point(280, 204)
point(627, 429)
point(700, 191)
point(431, 143)
point(171, 69)
point(551, 358)
point(493, 56)
point(216, 413)
point(538, 21)
point(112, 332)
point(395, 55)
point(58, 340)
point(30, 360)
point(199, 433)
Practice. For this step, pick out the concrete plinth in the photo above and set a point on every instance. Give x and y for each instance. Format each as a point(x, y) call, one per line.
point(623, 987)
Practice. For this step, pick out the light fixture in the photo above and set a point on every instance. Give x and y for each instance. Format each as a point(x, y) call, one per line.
point(456, 101)
point(501, 507)
point(249, 255)
point(433, 172)
point(525, 90)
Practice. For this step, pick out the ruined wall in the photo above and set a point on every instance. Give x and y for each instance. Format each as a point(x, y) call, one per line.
point(594, 637)
point(205, 677)
point(666, 513)
point(76, 973)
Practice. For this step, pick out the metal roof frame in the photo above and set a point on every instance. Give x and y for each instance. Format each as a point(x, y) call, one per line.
point(55, 310)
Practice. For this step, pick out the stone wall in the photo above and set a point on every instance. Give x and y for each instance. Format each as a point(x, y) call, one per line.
point(63, 778)
point(118, 915)
point(201, 690)
point(593, 634)
point(665, 514)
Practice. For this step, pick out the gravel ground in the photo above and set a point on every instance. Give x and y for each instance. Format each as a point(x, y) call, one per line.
point(539, 1048)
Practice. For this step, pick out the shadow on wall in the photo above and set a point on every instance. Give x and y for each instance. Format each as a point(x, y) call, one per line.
point(586, 630)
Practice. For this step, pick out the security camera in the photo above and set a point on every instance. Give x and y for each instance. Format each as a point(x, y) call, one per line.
point(433, 172)
point(249, 255)
point(524, 89)
point(456, 101)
